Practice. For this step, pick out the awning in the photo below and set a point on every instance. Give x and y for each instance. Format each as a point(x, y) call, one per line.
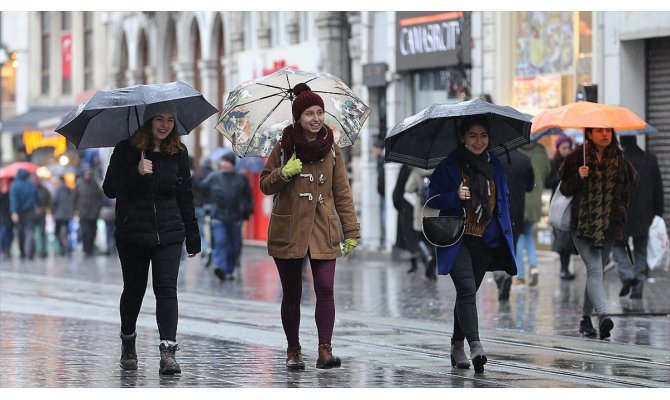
point(34, 119)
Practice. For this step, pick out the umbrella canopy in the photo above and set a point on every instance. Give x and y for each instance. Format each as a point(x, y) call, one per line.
point(424, 139)
point(113, 115)
point(257, 111)
point(584, 114)
point(10, 170)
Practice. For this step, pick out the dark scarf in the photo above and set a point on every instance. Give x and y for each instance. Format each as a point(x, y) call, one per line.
point(595, 206)
point(480, 170)
point(293, 137)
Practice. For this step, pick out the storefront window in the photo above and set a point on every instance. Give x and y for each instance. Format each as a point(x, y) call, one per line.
point(552, 56)
point(436, 86)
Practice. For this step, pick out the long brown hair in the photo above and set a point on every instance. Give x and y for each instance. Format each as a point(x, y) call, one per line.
point(143, 139)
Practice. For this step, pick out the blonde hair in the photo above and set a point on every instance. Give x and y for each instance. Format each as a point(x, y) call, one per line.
point(143, 139)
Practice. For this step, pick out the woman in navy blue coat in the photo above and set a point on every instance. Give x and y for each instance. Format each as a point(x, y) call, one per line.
point(472, 179)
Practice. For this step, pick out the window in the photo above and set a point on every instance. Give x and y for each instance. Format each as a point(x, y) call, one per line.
point(45, 51)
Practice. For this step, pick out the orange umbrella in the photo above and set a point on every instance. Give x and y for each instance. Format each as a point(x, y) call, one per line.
point(584, 114)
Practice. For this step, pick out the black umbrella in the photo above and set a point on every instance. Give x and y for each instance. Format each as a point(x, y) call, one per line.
point(424, 139)
point(113, 115)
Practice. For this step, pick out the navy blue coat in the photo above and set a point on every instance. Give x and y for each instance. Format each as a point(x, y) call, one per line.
point(445, 181)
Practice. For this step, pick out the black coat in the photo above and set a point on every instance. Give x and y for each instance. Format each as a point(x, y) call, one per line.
point(154, 208)
point(520, 179)
point(229, 194)
point(645, 199)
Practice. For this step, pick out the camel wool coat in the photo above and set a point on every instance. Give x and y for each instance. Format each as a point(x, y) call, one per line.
point(314, 210)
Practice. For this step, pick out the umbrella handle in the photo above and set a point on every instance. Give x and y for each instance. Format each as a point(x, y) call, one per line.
point(584, 152)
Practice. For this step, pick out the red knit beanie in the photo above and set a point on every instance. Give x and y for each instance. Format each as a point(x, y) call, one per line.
point(304, 99)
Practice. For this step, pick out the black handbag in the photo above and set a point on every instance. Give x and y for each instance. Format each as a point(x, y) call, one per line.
point(442, 230)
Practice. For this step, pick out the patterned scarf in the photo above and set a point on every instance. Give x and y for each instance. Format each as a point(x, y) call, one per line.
point(597, 197)
point(293, 137)
point(479, 170)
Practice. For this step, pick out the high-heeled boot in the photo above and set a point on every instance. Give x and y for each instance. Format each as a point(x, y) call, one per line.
point(477, 355)
point(326, 358)
point(458, 357)
point(294, 358)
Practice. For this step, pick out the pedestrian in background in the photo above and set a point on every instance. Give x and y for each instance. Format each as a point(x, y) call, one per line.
point(87, 200)
point(6, 224)
point(562, 243)
point(644, 202)
point(22, 201)
point(62, 214)
point(107, 214)
point(598, 178)
point(407, 237)
point(532, 213)
point(230, 196)
point(150, 179)
point(520, 180)
point(471, 178)
point(203, 207)
point(378, 154)
point(313, 204)
point(42, 208)
point(416, 191)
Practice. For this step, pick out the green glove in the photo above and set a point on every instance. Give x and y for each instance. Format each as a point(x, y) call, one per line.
point(293, 167)
point(349, 245)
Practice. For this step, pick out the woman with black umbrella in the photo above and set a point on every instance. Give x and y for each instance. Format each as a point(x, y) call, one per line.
point(149, 175)
point(471, 178)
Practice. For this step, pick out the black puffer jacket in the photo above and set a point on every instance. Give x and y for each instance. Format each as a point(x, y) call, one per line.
point(155, 208)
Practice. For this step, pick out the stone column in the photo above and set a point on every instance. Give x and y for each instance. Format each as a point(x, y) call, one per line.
point(331, 26)
point(184, 71)
point(209, 91)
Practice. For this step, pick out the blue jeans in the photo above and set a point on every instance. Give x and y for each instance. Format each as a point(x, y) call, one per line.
point(626, 269)
point(526, 241)
point(200, 216)
point(227, 245)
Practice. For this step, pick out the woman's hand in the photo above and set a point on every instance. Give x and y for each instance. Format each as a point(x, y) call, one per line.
point(584, 171)
point(145, 166)
point(463, 192)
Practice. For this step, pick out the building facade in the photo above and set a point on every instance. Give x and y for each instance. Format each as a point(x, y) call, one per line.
point(398, 63)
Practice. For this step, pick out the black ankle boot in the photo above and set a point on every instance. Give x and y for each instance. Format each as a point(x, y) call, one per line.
point(128, 360)
point(168, 365)
point(605, 326)
point(477, 355)
point(586, 327)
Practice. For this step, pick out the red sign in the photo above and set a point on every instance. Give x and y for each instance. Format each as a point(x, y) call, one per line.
point(278, 64)
point(66, 53)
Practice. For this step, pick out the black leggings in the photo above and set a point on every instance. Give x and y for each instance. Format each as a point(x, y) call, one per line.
point(467, 274)
point(135, 261)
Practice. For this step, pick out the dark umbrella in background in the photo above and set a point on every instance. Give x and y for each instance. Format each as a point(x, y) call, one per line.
point(110, 116)
point(424, 139)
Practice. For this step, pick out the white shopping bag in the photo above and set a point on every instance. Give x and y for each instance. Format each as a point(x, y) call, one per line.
point(658, 246)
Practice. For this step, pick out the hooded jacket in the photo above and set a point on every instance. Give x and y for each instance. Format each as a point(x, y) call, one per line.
point(155, 208)
point(22, 193)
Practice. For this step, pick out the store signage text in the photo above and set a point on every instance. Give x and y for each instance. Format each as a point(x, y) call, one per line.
point(429, 38)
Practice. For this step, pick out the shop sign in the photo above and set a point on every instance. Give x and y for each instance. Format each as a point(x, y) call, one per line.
point(432, 39)
point(33, 140)
point(374, 75)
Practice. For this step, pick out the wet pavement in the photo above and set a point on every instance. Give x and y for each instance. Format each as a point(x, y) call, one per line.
point(59, 328)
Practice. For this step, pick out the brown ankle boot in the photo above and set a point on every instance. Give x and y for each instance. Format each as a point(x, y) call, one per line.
point(326, 358)
point(294, 358)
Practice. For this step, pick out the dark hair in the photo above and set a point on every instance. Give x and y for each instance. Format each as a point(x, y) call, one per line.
point(469, 121)
point(628, 141)
point(614, 143)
